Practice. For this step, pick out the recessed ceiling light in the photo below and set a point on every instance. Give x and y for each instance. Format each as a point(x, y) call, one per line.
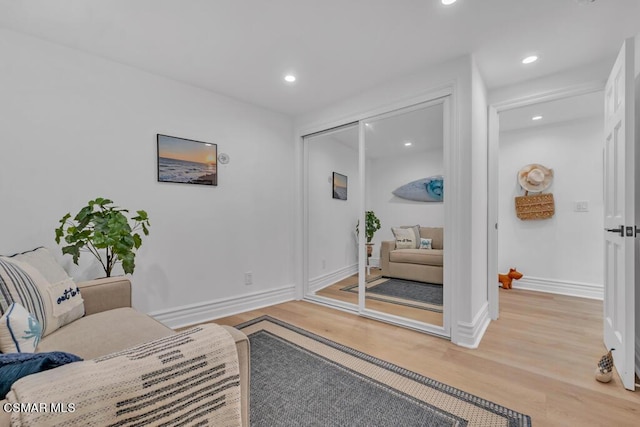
point(290, 78)
point(448, 2)
point(408, 144)
point(536, 118)
point(530, 59)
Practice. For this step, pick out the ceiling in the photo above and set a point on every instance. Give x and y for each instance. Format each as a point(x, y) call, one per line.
point(557, 111)
point(422, 127)
point(385, 137)
point(336, 48)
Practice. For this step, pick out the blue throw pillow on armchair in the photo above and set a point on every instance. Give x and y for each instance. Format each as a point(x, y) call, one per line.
point(14, 366)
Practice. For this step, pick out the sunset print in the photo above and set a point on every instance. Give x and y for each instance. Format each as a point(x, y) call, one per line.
point(339, 186)
point(187, 161)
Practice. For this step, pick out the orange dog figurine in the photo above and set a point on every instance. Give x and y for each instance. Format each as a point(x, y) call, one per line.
point(506, 279)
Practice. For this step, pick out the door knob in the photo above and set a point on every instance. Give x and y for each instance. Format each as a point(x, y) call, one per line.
point(616, 230)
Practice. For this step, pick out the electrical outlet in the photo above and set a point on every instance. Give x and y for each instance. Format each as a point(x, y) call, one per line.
point(248, 278)
point(324, 264)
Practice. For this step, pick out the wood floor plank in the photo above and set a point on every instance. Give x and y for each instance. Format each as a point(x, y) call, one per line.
point(335, 292)
point(538, 358)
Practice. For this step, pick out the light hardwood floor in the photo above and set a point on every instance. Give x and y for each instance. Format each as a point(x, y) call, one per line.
point(539, 358)
point(335, 292)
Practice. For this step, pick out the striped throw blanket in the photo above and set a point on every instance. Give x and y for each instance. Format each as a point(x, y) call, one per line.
point(190, 378)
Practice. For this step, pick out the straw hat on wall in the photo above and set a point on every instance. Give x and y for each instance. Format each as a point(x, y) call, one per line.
point(535, 178)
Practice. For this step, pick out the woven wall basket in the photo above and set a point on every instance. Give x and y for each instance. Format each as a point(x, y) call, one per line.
point(539, 206)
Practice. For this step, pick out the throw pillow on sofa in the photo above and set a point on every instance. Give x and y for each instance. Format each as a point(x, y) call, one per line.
point(52, 305)
point(405, 237)
point(20, 332)
point(425, 243)
point(43, 260)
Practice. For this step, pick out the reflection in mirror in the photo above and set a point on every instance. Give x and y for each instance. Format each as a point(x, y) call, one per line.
point(404, 182)
point(333, 203)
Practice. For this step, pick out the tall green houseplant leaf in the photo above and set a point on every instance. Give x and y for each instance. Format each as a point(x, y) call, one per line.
point(372, 224)
point(104, 230)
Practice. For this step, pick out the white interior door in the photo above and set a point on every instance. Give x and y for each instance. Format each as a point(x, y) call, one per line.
point(619, 200)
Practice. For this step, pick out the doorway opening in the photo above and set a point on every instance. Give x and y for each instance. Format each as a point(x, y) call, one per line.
point(562, 133)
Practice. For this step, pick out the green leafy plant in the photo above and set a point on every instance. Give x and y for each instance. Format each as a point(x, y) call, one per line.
point(372, 224)
point(103, 230)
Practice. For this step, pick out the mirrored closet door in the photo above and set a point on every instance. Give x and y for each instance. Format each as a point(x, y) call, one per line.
point(332, 207)
point(375, 215)
point(405, 175)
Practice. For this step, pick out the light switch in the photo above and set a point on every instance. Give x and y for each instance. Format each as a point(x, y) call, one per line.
point(582, 206)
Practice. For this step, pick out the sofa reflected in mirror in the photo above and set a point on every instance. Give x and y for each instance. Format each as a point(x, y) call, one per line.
point(414, 263)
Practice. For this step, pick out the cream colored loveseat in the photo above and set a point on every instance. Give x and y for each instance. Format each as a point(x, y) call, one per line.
point(111, 325)
point(421, 265)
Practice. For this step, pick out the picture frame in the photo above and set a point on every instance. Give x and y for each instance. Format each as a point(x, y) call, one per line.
point(186, 161)
point(340, 185)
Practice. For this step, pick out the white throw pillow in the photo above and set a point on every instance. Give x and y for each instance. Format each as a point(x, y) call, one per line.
point(425, 243)
point(43, 260)
point(405, 238)
point(20, 332)
point(66, 301)
point(24, 284)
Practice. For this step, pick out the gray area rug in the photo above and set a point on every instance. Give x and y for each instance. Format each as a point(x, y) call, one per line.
point(301, 379)
point(427, 296)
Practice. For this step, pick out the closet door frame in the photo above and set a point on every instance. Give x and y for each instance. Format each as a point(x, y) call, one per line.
point(452, 236)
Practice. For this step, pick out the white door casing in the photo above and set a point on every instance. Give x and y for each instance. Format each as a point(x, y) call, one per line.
point(619, 202)
point(492, 213)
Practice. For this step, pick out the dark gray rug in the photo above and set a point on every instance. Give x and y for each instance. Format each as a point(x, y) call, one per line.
point(427, 296)
point(302, 379)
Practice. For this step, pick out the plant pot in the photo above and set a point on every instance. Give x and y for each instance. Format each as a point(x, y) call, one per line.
point(369, 249)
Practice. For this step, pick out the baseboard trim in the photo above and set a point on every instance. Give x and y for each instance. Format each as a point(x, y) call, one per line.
point(191, 314)
point(320, 282)
point(470, 334)
point(562, 287)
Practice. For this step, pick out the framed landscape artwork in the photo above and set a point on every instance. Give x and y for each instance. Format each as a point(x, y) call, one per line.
point(187, 161)
point(339, 186)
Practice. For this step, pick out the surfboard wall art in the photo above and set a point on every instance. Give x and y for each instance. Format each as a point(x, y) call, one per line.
point(429, 189)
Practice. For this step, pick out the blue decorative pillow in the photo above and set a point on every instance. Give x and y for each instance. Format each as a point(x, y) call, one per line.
point(14, 366)
point(425, 243)
point(20, 332)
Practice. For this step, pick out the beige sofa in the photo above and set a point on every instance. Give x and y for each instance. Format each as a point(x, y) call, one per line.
point(421, 265)
point(111, 325)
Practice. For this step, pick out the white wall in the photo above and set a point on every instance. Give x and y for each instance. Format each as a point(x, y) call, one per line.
point(332, 222)
point(566, 250)
point(479, 189)
point(75, 127)
point(386, 175)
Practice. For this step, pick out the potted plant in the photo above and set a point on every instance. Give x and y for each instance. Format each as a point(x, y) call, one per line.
point(104, 230)
point(372, 224)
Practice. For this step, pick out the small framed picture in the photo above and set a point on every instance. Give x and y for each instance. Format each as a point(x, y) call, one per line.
point(339, 186)
point(187, 161)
